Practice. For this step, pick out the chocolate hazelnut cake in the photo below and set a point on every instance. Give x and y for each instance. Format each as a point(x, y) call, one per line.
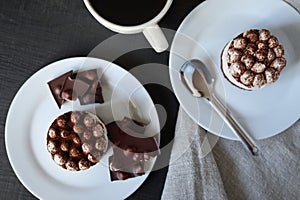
point(77, 140)
point(253, 59)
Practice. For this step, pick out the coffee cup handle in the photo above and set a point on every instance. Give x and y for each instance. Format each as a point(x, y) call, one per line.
point(156, 38)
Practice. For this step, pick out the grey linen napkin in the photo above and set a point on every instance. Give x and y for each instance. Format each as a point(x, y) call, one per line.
point(229, 171)
point(192, 174)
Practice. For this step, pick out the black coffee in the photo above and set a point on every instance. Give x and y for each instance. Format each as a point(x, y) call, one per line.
point(128, 12)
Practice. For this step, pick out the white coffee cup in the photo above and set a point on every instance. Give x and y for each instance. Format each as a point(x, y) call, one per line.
point(150, 29)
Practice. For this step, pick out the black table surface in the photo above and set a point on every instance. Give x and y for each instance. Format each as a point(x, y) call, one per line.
point(34, 33)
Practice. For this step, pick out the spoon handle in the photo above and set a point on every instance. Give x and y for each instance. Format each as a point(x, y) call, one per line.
point(224, 113)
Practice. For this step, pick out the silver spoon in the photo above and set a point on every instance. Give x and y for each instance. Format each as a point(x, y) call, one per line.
point(197, 78)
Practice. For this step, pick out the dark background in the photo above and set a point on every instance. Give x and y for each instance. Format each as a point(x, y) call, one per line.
point(34, 33)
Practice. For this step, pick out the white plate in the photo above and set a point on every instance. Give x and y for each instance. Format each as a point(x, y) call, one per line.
point(32, 112)
point(204, 33)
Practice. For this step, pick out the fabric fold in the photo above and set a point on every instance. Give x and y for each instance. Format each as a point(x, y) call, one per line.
point(226, 170)
point(192, 174)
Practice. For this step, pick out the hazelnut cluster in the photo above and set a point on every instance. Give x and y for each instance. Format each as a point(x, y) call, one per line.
point(77, 140)
point(255, 58)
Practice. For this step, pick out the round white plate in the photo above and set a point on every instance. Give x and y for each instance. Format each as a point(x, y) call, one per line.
point(34, 109)
point(204, 33)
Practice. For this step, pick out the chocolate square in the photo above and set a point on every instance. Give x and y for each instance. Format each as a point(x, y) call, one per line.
point(83, 85)
point(122, 166)
point(124, 135)
point(93, 95)
point(56, 86)
point(73, 88)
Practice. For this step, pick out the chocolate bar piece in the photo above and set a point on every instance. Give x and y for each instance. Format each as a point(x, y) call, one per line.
point(56, 86)
point(70, 86)
point(94, 95)
point(122, 167)
point(124, 135)
point(88, 76)
point(73, 89)
point(131, 149)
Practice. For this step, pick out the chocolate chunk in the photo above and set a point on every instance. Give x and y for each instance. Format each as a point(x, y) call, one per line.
point(120, 162)
point(87, 99)
point(122, 175)
point(118, 175)
point(92, 96)
point(130, 150)
point(71, 86)
point(123, 134)
point(147, 157)
point(56, 86)
point(98, 94)
point(74, 88)
point(87, 76)
point(122, 167)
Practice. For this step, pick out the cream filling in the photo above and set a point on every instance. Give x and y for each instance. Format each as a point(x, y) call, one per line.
point(225, 69)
